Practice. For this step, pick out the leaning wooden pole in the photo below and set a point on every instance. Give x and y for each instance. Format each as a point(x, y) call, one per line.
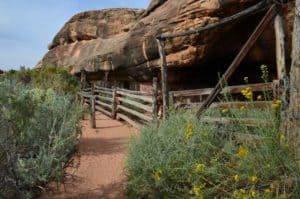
point(294, 109)
point(164, 76)
point(239, 58)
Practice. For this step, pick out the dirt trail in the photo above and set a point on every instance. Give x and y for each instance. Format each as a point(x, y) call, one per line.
point(100, 160)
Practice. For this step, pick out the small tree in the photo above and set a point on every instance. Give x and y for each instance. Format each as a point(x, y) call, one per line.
point(294, 110)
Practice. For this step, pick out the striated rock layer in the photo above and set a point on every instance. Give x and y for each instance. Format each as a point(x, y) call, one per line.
point(122, 41)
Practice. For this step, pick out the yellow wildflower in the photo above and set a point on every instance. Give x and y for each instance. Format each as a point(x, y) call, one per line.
point(254, 179)
point(236, 194)
point(158, 174)
point(276, 104)
point(242, 108)
point(225, 110)
point(267, 190)
point(282, 138)
point(199, 167)
point(236, 178)
point(298, 163)
point(253, 193)
point(247, 93)
point(259, 97)
point(243, 191)
point(243, 152)
point(197, 190)
point(189, 130)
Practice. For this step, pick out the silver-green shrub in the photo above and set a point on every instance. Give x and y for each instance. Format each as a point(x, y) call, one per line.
point(39, 128)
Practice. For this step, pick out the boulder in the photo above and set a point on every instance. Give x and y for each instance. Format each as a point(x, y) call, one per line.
point(123, 41)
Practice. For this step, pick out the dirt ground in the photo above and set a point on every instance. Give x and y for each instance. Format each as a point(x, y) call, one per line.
point(99, 161)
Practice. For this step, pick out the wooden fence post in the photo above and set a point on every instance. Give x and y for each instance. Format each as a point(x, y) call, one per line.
point(114, 103)
point(276, 89)
point(164, 76)
point(83, 79)
point(93, 112)
point(294, 107)
point(154, 97)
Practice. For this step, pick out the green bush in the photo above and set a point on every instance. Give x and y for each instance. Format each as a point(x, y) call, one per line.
point(186, 158)
point(55, 77)
point(39, 130)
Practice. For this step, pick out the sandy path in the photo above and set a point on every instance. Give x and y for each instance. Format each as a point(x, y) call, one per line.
point(100, 160)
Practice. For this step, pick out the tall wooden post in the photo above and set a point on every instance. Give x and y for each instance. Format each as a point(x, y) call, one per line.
point(114, 103)
point(83, 79)
point(154, 98)
point(164, 76)
point(280, 46)
point(294, 109)
point(281, 67)
point(93, 112)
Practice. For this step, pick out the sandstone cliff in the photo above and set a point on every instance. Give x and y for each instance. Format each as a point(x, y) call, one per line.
point(123, 40)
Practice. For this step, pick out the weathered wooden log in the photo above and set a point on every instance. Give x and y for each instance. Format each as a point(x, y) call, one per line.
point(102, 110)
point(135, 92)
point(281, 65)
point(164, 76)
point(230, 89)
point(103, 88)
point(294, 108)
point(135, 113)
point(103, 104)
point(143, 98)
point(114, 104)
point(248, 45)
point(245, 13)
point(136, 104)
point(276, 89)
point(85, 95)
point(83, 79)
point(127, 119)
point(238, 104)
point(280, 46)
point(92, 113)
point(154, 99)
point(108, 99)
point(244, 121)
point(103, 92)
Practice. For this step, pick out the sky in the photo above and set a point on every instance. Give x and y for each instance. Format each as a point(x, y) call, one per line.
point(27, 26)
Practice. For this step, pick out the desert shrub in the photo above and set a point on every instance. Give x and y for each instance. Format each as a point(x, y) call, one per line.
point(39, 130)
point(187, 158)
point(55, 77)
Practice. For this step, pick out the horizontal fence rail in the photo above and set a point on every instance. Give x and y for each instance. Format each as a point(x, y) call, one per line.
point(184, 98)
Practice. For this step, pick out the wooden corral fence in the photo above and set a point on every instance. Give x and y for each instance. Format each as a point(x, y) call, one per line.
point(195, 98)
point(138, 108)
point(135, 107)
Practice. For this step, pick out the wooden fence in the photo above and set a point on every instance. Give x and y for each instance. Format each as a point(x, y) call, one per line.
point(134, 107)
point(194, 98)
point(138, 108)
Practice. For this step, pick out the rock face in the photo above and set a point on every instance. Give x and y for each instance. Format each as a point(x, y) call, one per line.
point(122, 41)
